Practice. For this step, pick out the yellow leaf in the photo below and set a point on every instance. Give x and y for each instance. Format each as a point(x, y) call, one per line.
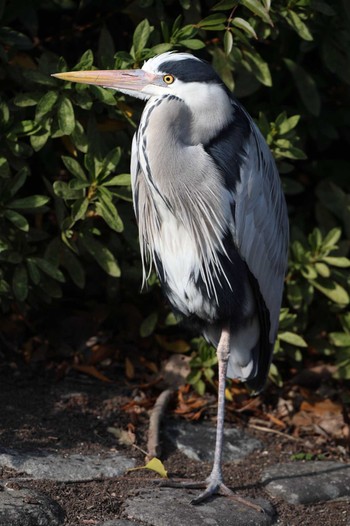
point(154, 465)
point(228, 395)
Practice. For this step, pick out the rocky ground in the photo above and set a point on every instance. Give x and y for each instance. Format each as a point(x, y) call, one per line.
point(66, 448)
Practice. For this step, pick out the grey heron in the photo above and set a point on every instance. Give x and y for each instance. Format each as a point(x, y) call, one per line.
point(211, 214)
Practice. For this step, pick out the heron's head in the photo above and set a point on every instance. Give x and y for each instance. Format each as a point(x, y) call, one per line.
point(179, 74)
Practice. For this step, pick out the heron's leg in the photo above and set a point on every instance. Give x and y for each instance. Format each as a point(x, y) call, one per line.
point(215, 479)
point(214, 483)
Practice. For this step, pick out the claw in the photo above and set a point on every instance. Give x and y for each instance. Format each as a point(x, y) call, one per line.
point(212, 487)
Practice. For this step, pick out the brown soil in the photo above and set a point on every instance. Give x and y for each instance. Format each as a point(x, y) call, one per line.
point(74, 414)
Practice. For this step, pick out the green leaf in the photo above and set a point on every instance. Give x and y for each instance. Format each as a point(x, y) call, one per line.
point(298, 25)
point(24, 100)
point(223, 5)
point(66, 192)
point(333, 291)
point(106, 48)
point(13, 38)
point(331, 239)
point(192, 43)
point(215, 20)
point(200, 387)
point(341, 262)
point(79, 138)
point(258, 67)
point(33, 271)
point(101, 254)
point(46, 104)
point(228, 42)
point(17, 219)
point(66, 118)
point(308, 272)
point(161, 48)
point(339, 339)
point(323, 270)
point(26, 128)
point(104, 95)
point(245, 26)
point(255, 7)
point(4, 168)
point(74, 268)
point(49, 268)
point(33, 201)
point(148, 325)
point(295, 295)
point(20, 283)
point(141, 35)
point(306, 87)
point(292, 339)
point(288, 124)
point(39, 140)
point(290, 153)
point(18, 181)
point(74, 167)
point(118, 180)
point(38, 77)
point(110, 162)
point(79, 209)
point(86, 61)
point(106, 208)
point(4, 114)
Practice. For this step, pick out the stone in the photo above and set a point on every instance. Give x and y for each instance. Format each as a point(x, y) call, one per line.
point(119, 522)
point(65, 467)
point(25, 507)
point(308, 482)
point(197, 441)
point(169, 506)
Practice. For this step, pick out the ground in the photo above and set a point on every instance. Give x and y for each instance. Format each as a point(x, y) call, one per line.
point(76, 414)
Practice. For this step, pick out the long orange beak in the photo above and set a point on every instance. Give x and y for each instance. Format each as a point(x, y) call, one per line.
point(128, 79)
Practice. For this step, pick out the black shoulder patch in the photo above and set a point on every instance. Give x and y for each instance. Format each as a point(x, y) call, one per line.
point(229, 147)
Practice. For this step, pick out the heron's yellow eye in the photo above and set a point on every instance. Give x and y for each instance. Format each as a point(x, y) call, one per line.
point(168, 79)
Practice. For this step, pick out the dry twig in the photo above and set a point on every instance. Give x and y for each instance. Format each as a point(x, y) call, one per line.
point(153, 448)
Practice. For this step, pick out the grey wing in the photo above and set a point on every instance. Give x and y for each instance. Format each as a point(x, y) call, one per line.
point(259, 214)
point(261, 230)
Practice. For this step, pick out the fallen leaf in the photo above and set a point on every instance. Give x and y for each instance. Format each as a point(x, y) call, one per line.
point(129, 369)
point(154, 465)
point(91, 371)
point(228, 395)
point(150, 365)
point(276, 420)
point(124, 437)
point(100, 352)
point(322, 407)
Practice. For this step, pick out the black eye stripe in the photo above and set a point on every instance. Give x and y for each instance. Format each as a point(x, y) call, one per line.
point(191, 70)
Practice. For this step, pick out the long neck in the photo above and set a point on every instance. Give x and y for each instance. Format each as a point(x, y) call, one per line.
point(170, 127)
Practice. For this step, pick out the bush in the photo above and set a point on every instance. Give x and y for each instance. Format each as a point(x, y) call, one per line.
point(65, 198)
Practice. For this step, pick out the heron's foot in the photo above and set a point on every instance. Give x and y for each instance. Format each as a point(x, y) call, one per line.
point(211, 487)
